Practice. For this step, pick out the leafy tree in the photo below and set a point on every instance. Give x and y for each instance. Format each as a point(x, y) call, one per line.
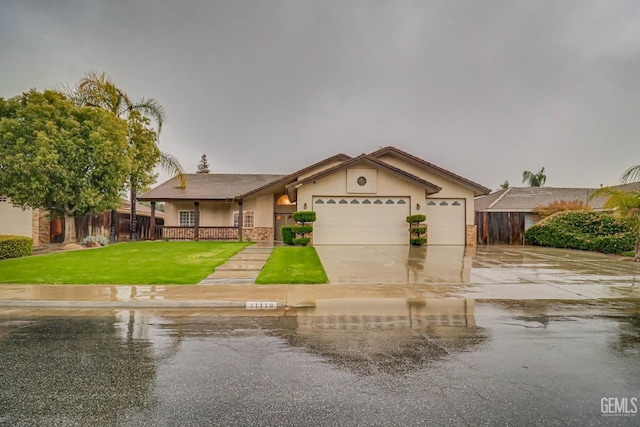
point(534, 179)
point(98, 90)
point(59, 157)
point(626, 204)
point(203, 166)
point(504, 185)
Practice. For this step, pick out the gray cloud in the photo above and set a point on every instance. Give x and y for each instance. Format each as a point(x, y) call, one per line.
point(486, 89)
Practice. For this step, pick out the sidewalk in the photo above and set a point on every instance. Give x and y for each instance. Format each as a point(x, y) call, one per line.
point(195, 296)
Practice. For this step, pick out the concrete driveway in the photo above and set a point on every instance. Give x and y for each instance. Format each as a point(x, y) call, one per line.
point(485, 270)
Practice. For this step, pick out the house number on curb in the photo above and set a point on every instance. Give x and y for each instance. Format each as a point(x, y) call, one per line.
point(261, 305)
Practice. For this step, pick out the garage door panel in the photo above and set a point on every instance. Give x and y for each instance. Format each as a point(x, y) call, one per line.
point(361, 220)
point(446, 221)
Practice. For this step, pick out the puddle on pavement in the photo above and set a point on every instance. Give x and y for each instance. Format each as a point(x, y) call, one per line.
point(104, 366)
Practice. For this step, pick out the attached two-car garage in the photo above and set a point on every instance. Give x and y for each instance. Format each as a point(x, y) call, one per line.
point(344, 220)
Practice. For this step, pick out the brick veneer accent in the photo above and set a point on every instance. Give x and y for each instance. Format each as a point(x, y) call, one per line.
point(472, 235)
point(258, 234)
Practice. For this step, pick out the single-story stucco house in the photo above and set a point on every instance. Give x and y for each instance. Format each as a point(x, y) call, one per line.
point(358, 200)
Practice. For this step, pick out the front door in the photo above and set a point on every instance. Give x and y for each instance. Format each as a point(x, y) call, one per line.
point(281, 220)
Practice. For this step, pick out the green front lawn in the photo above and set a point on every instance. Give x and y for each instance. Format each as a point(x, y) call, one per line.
point(141, 263)
point(292, 265)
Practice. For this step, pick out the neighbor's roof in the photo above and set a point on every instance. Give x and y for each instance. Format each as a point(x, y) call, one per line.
point(526, 199)
point(209, 186)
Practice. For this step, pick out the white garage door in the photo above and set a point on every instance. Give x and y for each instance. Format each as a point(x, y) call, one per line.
point(446, 221)
point(361, 220)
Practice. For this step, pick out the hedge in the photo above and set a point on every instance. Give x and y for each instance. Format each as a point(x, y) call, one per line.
point(287, 235)
point(584, 230)
point(15, 246)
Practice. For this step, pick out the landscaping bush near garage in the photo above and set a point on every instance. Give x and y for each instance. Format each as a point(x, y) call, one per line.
point(584, 230)
point(288, 235)
point(15, 246)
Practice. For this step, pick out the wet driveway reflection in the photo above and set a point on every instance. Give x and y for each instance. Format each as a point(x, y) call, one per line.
point(339, 362)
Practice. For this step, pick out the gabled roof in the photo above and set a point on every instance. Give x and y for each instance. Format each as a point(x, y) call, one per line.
point(209, 186)
point(526, 199)
point(287, 179)
point(371, 161)
point(477, 188)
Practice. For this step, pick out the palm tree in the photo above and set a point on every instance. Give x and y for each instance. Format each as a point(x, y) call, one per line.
point(534, 179)
point(631, 174)
point(625, 204)
point(98, 90)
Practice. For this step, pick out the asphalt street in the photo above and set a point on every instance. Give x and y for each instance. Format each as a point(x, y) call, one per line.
point(462, 363)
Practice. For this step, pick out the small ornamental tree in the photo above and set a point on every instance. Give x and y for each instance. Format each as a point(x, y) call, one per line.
point(417, 229)
point(303, 219)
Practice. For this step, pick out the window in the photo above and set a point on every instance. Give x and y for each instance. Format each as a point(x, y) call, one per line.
point(319, 202)
point(402, 202)
point(432, 203)
point(389, 202)
point(187, 218)
point(455, 204)
point(248, 220)
point(355, 202)
point(342, 202)
point(3, 199)
point(443, 203)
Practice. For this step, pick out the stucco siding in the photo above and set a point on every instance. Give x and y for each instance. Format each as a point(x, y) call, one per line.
point(319, 169)
point(336, 185)
point(450, 189)
point(15, 221)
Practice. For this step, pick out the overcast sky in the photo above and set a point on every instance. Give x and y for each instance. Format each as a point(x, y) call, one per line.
point(486, 89)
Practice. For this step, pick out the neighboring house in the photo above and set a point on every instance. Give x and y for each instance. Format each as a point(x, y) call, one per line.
point(359, 200)
point(503, 217)
point(36, 224)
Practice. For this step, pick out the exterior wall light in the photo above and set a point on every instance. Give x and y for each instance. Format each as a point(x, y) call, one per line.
point(417, 206)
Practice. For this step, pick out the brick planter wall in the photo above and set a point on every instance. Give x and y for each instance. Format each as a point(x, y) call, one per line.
point(258, 234)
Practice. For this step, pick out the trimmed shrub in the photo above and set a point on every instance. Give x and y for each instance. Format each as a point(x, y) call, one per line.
point(301, 229)
point(584, 230)
point(418, 230)
point(287, 235)
point(301, 241)
point(416, 218)
point(15, 246)
point(417, 241)
point(304, 216)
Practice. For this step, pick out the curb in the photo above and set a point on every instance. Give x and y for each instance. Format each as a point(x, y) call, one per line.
point(130, 304)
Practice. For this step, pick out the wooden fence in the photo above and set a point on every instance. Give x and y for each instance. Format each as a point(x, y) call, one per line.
point(500, 228)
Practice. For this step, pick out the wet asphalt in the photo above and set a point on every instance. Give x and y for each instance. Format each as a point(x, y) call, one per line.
point(499, 363)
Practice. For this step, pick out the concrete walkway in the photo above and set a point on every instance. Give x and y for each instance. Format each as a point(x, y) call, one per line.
point(240, 269)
